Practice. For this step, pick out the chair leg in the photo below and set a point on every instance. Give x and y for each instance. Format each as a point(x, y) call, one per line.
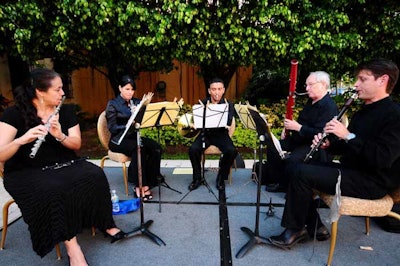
point(5, 226)
point(5, 222)
point(230, 172)
point(394, 215)
point(58, 251)
point(125, 178)
point(367, 225)
point(103, 160)
point(333, 242)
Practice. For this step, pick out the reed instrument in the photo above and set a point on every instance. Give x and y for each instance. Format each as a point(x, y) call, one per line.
point(292, 92)
point(345, 107)
point(41, 139)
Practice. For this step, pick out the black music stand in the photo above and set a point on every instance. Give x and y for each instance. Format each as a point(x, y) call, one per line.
point(158, 115)
point(242, 110)
point(263, 133)
point(205, 117)
point(247, 120)
point(144, 226)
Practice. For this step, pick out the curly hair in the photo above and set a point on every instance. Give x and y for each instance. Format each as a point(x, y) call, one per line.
point(39, 79)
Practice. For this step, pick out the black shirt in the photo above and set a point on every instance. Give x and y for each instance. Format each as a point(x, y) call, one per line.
point(376, 149)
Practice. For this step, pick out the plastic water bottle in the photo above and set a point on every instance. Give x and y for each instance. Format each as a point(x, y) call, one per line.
point(114, 200)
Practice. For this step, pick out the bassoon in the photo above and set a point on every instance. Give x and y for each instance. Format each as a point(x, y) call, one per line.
point(345, 107)
point(292, 89)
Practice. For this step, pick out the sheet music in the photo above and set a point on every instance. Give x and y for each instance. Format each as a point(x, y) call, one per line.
point(216, 115)
point(245, 114)
point(170, 111)
point(275, 140)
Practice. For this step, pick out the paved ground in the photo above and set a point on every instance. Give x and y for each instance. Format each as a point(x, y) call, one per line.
point(195, 233)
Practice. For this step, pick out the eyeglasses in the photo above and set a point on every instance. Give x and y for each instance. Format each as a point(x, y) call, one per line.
point(311, 84)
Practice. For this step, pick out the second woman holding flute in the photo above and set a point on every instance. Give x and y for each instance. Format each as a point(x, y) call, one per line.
point(118, 112)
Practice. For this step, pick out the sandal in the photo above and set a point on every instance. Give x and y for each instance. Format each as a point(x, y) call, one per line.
point(147, 197)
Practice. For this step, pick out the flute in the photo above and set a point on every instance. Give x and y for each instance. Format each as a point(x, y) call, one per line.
point(41, 139)
point(346, 106)
point(145, 100)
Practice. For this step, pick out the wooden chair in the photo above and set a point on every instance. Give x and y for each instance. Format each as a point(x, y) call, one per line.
point(6, 207)
point(104, 136)
point(213, 150)
point(361, 207)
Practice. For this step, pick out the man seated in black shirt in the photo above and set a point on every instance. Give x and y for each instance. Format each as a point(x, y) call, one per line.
point(319, 109)
point(218, 137)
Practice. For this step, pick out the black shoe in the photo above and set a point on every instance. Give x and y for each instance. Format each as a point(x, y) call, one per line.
point(275, 187)
point(220, 183)
point(322, 234)
point(289, 238)
point(195, 184)
point(114, 238)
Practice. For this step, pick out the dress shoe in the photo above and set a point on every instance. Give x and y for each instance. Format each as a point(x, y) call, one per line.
point(275, 187)
point(195, 184)
point(322, 234)
point(289, 238)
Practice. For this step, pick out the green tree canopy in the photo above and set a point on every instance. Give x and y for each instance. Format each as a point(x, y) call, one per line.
point(118, 36)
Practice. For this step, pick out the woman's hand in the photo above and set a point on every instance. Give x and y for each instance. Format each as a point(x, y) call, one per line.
point(32, 134)
point(55, 128)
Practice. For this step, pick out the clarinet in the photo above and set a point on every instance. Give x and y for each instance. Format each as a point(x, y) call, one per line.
point(41, 139)
point(346, 106)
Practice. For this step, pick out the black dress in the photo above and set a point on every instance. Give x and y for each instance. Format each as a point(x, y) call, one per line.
point(56, 203)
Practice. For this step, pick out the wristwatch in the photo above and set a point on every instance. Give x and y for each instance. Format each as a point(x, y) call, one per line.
point(350, 136)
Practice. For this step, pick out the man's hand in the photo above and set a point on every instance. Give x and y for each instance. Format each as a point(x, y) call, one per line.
point(291, 125)
point(337, 128)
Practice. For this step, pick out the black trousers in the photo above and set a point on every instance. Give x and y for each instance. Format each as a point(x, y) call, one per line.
point(300, 208)
point(277, 167)
point(150, 154)
point(219, 139)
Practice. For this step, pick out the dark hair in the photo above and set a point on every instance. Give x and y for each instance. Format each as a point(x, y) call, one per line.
point(380, 67)
point(126, 79)
point(215, 80)
point(39, 79)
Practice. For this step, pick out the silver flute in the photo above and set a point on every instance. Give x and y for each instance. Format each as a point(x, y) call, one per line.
point(41, 139)
point(346, 106)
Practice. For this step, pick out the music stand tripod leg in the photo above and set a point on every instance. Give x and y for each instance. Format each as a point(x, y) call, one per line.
point(203, 181)
point(158, 125)
point(143, 228)
point(255, 238)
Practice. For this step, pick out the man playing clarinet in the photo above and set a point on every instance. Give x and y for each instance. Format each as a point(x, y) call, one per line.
point(370, 155)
